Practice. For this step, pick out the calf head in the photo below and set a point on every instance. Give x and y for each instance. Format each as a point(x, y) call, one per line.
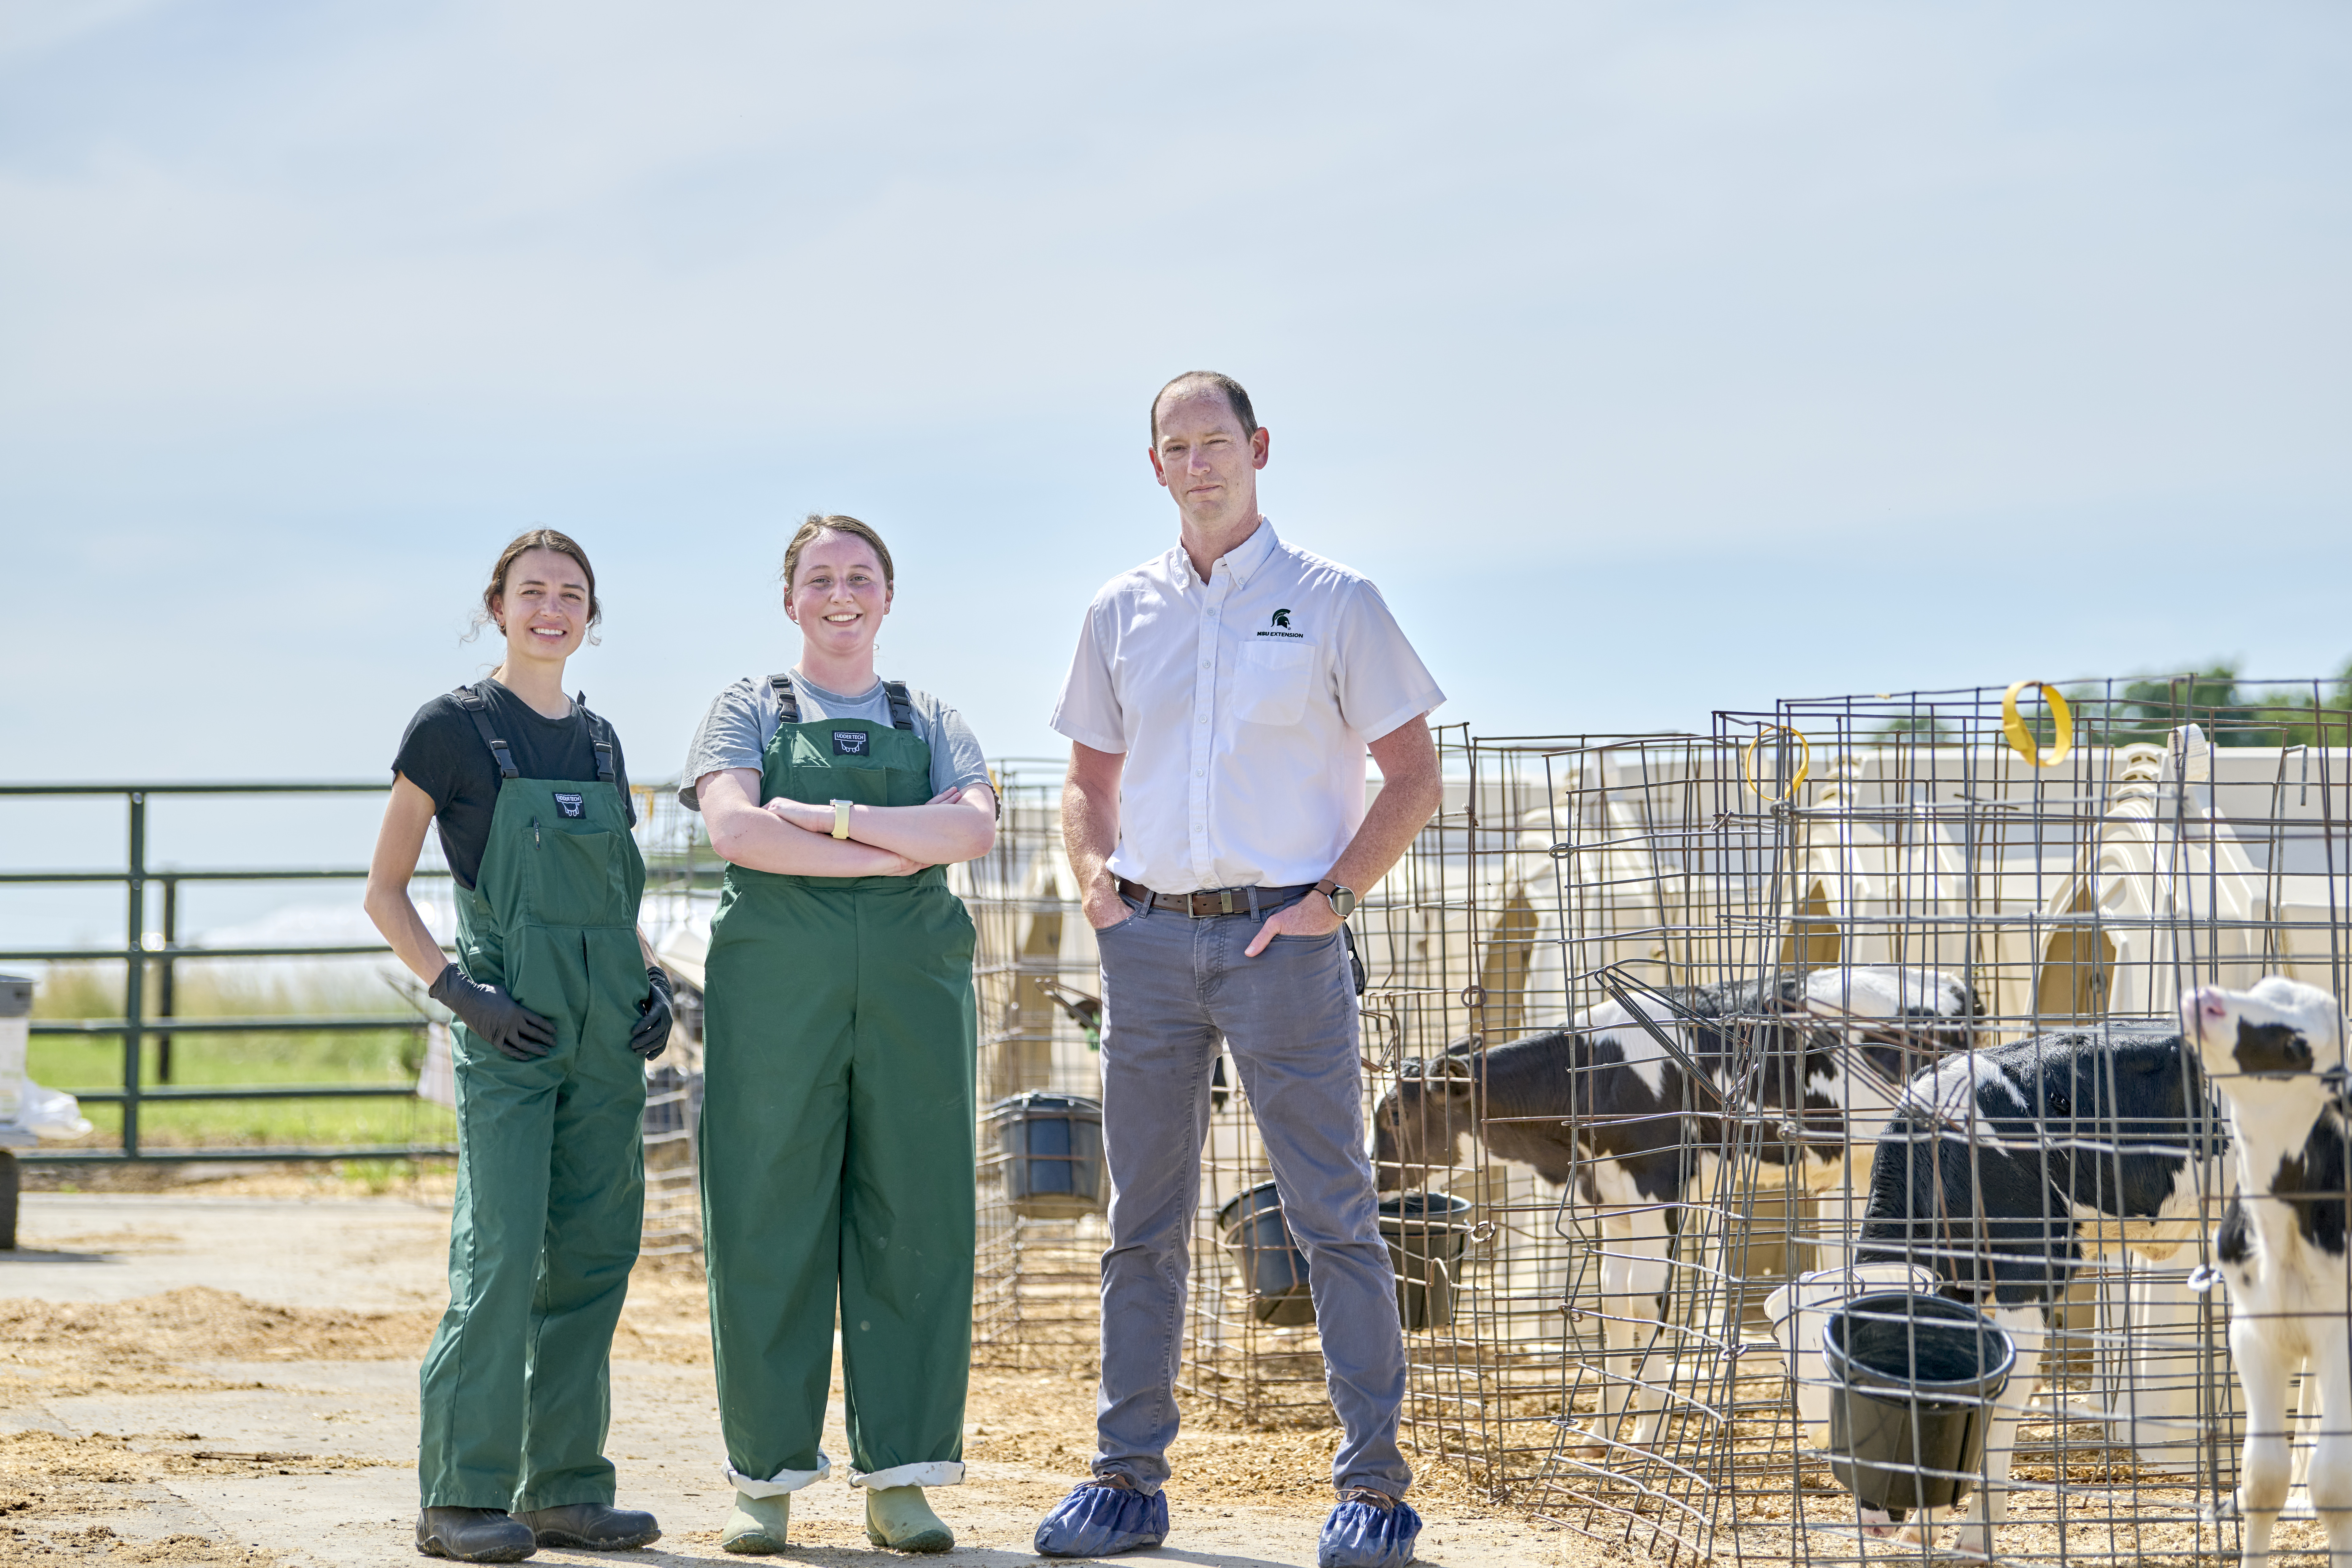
point(1901, 1019)
point(2264, 1046)
point(1421, 1122)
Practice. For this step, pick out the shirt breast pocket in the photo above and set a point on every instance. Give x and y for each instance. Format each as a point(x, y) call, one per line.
point(1270, 681)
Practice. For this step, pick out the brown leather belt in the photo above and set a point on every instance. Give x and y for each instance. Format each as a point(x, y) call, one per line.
point(1212, 901)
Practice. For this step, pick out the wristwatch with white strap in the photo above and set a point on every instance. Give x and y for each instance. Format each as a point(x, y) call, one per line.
point(841, 818)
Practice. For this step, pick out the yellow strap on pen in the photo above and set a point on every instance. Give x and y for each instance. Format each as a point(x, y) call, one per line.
point(2020, 737)
point(1748, 763)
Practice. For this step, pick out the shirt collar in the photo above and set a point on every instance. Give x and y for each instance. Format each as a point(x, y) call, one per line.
point(1242, 559)
point(840, 699)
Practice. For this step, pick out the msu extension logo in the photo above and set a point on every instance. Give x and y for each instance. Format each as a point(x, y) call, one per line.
point(1278, 624)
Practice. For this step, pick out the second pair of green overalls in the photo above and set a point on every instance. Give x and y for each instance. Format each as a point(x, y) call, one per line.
point(836, 1137)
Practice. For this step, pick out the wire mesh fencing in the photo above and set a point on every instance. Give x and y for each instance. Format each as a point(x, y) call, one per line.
point(1042, 1185)
point(1567, 883)
point(2026, 1354)
point(1755, 1111)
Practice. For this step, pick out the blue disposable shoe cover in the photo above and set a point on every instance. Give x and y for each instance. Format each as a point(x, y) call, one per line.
point(1097, 1520)
point(1365, 1535)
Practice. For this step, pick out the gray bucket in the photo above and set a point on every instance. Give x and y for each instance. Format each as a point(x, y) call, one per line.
point(1913, 1381)
point(1052, 1145)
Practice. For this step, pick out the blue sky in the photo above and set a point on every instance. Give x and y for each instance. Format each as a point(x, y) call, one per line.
point(1653, 358)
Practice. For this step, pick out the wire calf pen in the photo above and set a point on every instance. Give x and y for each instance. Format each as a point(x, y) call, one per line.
point(1580, 1369)
point(1686, 1061)
point(1042, 1185)
point(2028, 1357)
point(1552, 1308)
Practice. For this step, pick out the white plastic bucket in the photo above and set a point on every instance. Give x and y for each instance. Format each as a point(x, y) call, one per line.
point(1800, 1310)
point(15, 1026)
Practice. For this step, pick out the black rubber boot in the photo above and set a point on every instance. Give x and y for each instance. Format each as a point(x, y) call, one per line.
point(474, 1535)
point(592, 1527)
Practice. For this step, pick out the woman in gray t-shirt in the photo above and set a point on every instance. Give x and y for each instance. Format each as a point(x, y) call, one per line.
point(839, 1032)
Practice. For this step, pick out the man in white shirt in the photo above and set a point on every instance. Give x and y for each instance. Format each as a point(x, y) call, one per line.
point(1218, 709)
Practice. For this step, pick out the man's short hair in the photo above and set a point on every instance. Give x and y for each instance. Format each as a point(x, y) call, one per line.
point(1193, 380)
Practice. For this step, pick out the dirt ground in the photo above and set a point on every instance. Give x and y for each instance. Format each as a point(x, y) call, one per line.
point(226, 1375)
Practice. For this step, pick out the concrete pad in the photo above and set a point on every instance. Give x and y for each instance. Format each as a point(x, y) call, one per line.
point(310, 1461)
point(365, 1254)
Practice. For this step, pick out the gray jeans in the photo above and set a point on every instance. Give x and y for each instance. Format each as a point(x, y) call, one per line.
point(1171, 987)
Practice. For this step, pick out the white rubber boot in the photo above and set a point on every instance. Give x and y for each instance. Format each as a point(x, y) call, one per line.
point(899, 1518)
point(757, 1526)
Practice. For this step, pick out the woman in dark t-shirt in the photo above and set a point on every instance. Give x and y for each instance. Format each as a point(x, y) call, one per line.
point(558, 1007)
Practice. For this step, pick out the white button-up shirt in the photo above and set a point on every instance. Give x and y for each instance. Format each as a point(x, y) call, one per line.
point(1243, 705)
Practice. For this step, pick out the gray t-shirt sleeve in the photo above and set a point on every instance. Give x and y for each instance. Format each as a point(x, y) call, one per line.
point(734, 733)
point(956, 757)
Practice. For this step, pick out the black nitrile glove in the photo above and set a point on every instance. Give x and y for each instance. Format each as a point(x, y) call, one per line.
point(651, 1035)
point(489, 1012)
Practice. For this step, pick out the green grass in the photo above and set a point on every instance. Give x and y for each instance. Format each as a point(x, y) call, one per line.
point(386, 1057)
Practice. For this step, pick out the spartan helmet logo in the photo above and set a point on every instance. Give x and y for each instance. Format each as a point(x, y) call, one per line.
point(1282, 618)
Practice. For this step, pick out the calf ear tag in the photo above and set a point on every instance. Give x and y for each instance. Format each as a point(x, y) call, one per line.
point(849, 742)
point(568, 804)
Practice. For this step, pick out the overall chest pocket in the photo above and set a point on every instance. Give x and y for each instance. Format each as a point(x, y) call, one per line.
point(576, 878)
point(1270, 681)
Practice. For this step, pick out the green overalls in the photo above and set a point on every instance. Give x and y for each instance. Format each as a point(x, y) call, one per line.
point(836, 1137)
point(550, 1162)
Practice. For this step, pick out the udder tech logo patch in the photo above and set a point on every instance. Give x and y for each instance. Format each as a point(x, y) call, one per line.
point(1278, 626)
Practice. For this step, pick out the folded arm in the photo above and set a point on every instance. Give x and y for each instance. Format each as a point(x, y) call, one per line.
point(744, 834)
point(953, 825)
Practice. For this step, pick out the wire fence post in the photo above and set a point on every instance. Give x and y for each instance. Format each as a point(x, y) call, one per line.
point(135, 979)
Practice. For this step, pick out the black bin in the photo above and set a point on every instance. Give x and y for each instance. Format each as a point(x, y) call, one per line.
point(1913, 1381)
point(1273, 1269)
point(1426, 1233)
point(1052, 1154)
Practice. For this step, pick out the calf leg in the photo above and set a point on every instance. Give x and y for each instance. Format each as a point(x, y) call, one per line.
point(2027, 1327)
point(1634, 1245)
point(2264, 1367)
point(1616, 1335)
point(2331, 1456)
point(1840, 1201)
point(1649, 1247)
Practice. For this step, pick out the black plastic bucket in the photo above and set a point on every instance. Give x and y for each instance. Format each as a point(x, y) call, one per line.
point(1053, 1154)
point(1273, 1269)
point(1913, 1381)
point(1426, 1233)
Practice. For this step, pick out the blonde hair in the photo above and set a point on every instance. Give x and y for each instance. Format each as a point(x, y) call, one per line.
point(835, 522)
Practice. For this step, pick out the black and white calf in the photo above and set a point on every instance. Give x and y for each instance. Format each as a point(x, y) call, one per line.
point(1603, 1104)
point(2276, 1056)
point(2004, 1163)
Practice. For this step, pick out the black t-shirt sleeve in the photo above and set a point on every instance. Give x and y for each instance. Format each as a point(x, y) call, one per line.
point(442, 755)
point(429, 756)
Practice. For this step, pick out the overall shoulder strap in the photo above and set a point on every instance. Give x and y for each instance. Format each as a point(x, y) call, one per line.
point(902, 706)
point(600, 737)
point(478, 710)
point(787, 699)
